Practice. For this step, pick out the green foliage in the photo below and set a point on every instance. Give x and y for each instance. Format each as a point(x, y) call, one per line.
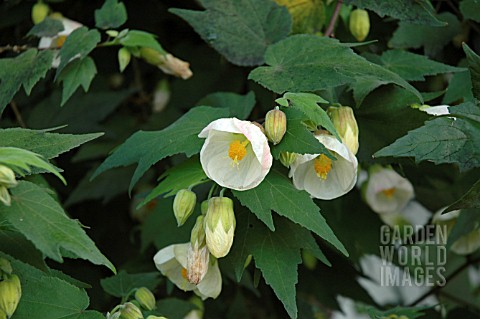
point(42, 220)
point(411, 313)
point(470, 9)
point(413, 11)
point(138, 39)
point(24, 70)
point(111, 15)
point(46, 296)
point(432, 39)
point(49, 145)
point(471, 199)
point(173, 308)
point(278, 194)
point(47, 28)
point(291, 59)
point(240, 30)
point(467, 222)
point(442, 140)
point(123, 283)
point(240, 105)
point(474, 66)
point(79, 72)
point(307, 16)
point(77, 46)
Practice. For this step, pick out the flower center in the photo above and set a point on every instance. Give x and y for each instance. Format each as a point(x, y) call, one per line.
point(389, 192)
point(184, 273)
point(237, 151)
point(322, 165)
point(60, 40)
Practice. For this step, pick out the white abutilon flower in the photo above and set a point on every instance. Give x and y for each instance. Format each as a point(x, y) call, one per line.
point(412, 214)
point(435, 110)
point(323, 177)
point(386, 191)
point(235, 154)
point(172, 263)
point(57, 41)
point(464, 245)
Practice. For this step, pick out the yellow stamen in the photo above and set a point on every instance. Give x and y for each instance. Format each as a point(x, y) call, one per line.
point(322, 165)
point(60, 40)
point(389, 192)
point(237, 151)
point(184, 273)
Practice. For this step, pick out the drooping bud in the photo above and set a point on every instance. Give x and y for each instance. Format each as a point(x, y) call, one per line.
point(198, 255)
point(204, 207)
point(7, 177)
point(161, 96)
point(5, 267)
point(124, 57)
point(145, 298)
point(287, 158)
point(5, 196)
point(220, 226)
point(275, 125)
point(167, 63)
point(39, 12)
point(359, 24)
point(10, 294)
point(183, 205)
point(346, 125)
point(130, 311)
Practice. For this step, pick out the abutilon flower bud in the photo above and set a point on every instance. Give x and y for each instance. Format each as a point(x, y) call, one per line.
point(287, 158)
point(183, 205)
point(7, 177)
point(130, 311)
point(145, 298)
point(346, 125)
point(167, 62)
point(5, 267)
point(198, 255)
point(204, 207)
point(359, 24)
point(39, 12)
point(10, 294)
point(5, 196)
point(124, 57)
point(220, 226)
point(275, 125)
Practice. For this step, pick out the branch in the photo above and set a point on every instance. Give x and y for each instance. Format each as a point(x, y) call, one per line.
point(334, 18)
point(15, 48)
point(18, 114)
point(435, 289)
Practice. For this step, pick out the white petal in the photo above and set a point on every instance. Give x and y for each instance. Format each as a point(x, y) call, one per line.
point(211, 285)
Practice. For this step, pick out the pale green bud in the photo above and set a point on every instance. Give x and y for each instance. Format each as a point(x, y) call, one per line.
point(197, 236)
point(220, 226)
point(183, 205)
point(112, 33)
point(124, 57)
point(287, 158)
point(7, 177)
point(346, 125)
point(309, 260)
point(359, 24)
point(10, 294)
point(204, 207)
point(39, 12)
point(152, 56)
point(5, 196)
point(145, 298)
point(275, 125)
point(5, 267)
point(130, 311)
point(3, 315)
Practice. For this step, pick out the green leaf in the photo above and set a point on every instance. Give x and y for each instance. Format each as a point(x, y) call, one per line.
point(432, 39)
point(459, 88)
point(47, 28)
point(470, 9)
point(276, 254)
point(173, 308)
point(21, 161)
point(474, 66)
point(79, 72)
point(277, 193)
point(42, 142)
point(414, 67)
point(176, 178)
point(470, 199)
point(111, 15)
point(16, 245)
point(467, 222)
point(240, 30)
point(147, 148)
point(240, 105)
point(442, 140)
point(297, 138)
point(77, 46)
point(121, 284)
point(42, 220)
point(136, 38)
point(26, 69)
point(327, 62)
point(308, 104)
point(308, 16)
point(412, 11)
point(45, 296)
